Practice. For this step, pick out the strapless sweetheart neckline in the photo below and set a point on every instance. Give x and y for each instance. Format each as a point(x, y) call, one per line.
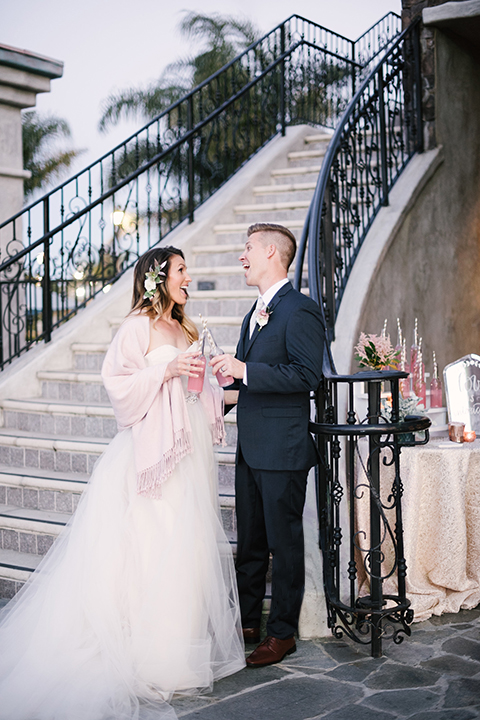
point(164, 346)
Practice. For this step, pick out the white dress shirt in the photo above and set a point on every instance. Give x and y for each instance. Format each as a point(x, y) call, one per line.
point(267, 296)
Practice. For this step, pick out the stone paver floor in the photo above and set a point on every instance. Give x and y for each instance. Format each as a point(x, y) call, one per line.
point(433, 675)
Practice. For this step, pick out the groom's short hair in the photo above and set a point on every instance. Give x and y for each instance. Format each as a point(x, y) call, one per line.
point(282, 238)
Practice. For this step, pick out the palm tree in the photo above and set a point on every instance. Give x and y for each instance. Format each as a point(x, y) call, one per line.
point(223, 37)
point(46, 164)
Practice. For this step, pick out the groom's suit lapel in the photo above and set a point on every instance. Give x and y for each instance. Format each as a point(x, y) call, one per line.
point(249, 341)
point(245, 332)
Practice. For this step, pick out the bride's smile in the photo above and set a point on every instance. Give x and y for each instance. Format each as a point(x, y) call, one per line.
point(178, 280)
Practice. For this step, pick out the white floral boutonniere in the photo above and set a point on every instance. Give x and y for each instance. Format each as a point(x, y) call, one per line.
point(153, 278)
point(263, 317)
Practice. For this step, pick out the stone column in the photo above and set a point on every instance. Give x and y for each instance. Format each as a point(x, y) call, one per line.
point(411, 9)
point(22, 76)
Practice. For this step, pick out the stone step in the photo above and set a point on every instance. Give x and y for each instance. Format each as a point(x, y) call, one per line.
point(220, 302)
point(241, 228)
point(89, 347)
point(210, 308)
point(318, 137)
point(15, 569)
point(302, 205)
point(33, 530)
point(33, 520)
point(222, 294)
point(306, 155)
point(59, 418)
point(322, 137)
point(216, 270)
point(21, 449)
point(284, 188)
point(226, 280)
point(70, 376)
point(226, 468)
point(300, 170)
point(227, 248)
point(30, 478)
point(39, 489)
point(280, 217)
point(73, 387)
point(213, 321)
point(217, 258)
point(88, 357)
point(231, 432)
point(29, 530)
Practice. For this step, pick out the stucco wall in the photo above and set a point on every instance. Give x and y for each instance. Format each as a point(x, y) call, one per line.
point(432, 269)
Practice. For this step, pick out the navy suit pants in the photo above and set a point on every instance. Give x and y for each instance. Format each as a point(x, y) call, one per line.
point(269, 508)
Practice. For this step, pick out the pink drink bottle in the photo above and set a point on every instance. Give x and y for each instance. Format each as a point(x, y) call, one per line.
point(436, 400)
point(215, 350)
point(195, 384)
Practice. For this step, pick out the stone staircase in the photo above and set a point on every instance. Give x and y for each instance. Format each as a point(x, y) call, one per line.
point(49, 444)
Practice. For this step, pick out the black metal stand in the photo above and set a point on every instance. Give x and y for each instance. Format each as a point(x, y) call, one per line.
point(367, 619)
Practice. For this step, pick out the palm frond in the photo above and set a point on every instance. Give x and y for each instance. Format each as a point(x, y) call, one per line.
point(222, 38)
point(39, 133)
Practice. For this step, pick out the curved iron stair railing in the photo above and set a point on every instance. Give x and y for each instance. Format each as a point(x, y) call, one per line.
point(364, 567)
point(76, 240)
point(379, 132)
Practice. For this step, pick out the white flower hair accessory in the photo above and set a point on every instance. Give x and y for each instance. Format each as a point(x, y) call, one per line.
point(153, 278)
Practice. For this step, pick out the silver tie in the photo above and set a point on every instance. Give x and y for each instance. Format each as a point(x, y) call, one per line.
point(258, 308)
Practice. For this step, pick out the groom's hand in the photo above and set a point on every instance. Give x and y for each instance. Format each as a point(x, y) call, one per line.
point(228, 365)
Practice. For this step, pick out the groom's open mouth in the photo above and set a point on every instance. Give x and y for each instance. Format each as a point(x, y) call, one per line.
point(246, 267)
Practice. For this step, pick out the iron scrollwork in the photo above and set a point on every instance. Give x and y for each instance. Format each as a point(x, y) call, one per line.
point(373, 606)
point(379, 132)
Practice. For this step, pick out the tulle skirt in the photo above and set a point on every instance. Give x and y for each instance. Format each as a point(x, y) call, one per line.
point(135, 601)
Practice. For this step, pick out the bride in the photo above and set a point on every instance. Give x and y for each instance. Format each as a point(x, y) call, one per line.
point(137, 598)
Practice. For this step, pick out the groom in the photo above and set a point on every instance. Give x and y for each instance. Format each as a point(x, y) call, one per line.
point(278, 362)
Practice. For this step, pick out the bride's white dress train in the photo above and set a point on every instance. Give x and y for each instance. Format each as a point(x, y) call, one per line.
point(136, 600)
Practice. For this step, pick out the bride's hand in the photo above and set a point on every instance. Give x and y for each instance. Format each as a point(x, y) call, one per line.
point(186, 363)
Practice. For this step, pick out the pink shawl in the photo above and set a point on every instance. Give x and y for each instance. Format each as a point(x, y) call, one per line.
point(155, 410)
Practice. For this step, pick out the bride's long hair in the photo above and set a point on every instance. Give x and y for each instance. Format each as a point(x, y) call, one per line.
point(155, 307)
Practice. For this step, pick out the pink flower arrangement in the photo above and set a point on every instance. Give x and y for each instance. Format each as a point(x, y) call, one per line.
point(376, 352)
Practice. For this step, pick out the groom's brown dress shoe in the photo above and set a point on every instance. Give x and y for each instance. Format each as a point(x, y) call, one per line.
point(270, 651)
point(251, 635)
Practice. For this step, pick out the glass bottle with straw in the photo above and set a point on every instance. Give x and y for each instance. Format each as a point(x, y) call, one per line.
point(195, 384)
point(414, 348)
point(419, 385)
point(436, 399)
point(404, 384)
point(223, 380)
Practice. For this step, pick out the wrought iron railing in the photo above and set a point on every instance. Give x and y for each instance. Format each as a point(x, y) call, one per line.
point(364, 567)
point(378, 134)
point(77, 240)
point(363, 563)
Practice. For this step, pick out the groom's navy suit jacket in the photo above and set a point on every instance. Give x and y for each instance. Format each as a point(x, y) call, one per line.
point(284, 363)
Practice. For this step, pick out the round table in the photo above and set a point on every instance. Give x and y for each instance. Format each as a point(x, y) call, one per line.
point(441, 524)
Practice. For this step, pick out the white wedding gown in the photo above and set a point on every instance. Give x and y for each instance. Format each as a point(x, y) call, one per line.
point(136, 599)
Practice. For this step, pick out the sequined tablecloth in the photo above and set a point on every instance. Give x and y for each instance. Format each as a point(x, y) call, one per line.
point(441, 524)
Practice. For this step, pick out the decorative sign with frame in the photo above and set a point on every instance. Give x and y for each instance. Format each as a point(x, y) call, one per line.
point(462, 388)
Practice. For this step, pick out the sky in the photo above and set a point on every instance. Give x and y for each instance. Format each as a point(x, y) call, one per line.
point(108, 45)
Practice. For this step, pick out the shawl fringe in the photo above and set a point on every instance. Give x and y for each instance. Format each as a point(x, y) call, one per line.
point(150, 481)
point(218, 431)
